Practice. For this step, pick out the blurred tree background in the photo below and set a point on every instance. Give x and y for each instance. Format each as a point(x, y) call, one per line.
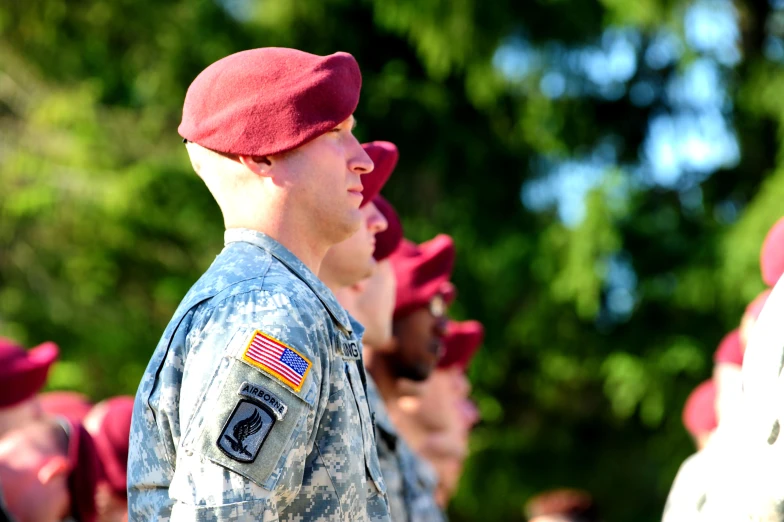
point(608, 169)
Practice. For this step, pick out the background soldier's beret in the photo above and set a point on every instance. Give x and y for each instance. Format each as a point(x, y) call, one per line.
point(74, 406)
point(699, 413)
point(23, 373)
point(772, 255)
point(111, 441)
point(271, 100)
point(422, 272)
point(462, 340)
point(384, 155)
point(388, 240)
point(729, 350)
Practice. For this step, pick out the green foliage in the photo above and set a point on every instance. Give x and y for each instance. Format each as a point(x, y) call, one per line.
point(103, 226)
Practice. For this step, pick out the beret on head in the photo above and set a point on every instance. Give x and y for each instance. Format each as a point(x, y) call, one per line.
point(422, 272)
point(461, 342)
point(565, 502)
point(388, 240)
point(384, 155)
point(266, 101)
point(73, 406)
point(729, 350)
point(699, 413)
point(772, 254)
point(111, 442)
point(86, 473)
point(23, 373)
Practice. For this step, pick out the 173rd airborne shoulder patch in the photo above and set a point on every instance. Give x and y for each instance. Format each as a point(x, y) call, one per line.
point(278, 359)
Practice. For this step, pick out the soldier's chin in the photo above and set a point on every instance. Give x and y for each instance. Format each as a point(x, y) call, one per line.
point(415, 372)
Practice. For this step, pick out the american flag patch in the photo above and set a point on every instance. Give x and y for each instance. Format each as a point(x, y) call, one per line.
point(277, 358)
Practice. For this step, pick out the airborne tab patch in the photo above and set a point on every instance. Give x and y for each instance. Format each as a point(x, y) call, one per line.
point(278, 359)
point(245, 431)
point(259, 394)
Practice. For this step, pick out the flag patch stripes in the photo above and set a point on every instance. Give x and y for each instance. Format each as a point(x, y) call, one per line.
point(277, 358)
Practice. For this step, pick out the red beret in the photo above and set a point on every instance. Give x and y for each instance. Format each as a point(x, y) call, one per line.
point(73, 406)
point(772, 255)
point(729, 350)
point(461, 343)
point(384, 155)
point(23, 373)
point(267, 101)
point(422, 272)
point(86, 473)
point(111, 441)
point(699, 413)
point(388, 240)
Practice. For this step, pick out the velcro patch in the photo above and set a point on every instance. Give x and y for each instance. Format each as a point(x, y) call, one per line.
point(245, 431)
point(278, 359)
point(259, 394)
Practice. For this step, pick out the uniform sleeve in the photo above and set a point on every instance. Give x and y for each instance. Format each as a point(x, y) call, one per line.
point(249, 403)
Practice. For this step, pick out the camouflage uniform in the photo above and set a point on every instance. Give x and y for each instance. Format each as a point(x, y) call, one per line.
point(740, 475)
point(411, 482)
point(224, 430)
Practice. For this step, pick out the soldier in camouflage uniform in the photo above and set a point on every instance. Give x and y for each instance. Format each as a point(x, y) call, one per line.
point(410, 483)
point(251, 407)
point(739, 475)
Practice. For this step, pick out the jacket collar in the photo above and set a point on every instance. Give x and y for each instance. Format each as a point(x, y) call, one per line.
point(292, 262)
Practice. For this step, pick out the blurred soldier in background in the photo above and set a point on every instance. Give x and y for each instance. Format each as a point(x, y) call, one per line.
point(738, 475)
point(437, 421)
point(253, 406)
point(23, 374)
point(562, 505)
point(358, 273)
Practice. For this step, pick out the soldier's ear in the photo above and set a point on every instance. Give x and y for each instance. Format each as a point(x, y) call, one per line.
point(259, 165)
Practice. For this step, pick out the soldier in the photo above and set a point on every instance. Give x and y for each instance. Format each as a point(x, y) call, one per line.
point(49, 470)
point(250, 408)
point(738, 476)
point(345, 270)
point(23, 374)
point(437, 422)
point(562, 505)
point(419, 319)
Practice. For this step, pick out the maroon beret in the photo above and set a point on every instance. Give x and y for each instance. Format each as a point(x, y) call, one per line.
point(422, 272)
point(23, 373)
point(729, 350)
point(86, 473)
point(111, 441)
point(384, 155)
point(461, 342)
point(699, 413)
point(772, 255)
point(387, 240)
point(74, 406)
point(271, 100)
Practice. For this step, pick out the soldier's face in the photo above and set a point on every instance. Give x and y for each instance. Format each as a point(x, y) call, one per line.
point(33, 472)
point(351, 261)
point(324, 178)
point(419, 340)
point(375, 304)
point(20, 414)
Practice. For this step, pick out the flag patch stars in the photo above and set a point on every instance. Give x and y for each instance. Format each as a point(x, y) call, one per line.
point(278, 359)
